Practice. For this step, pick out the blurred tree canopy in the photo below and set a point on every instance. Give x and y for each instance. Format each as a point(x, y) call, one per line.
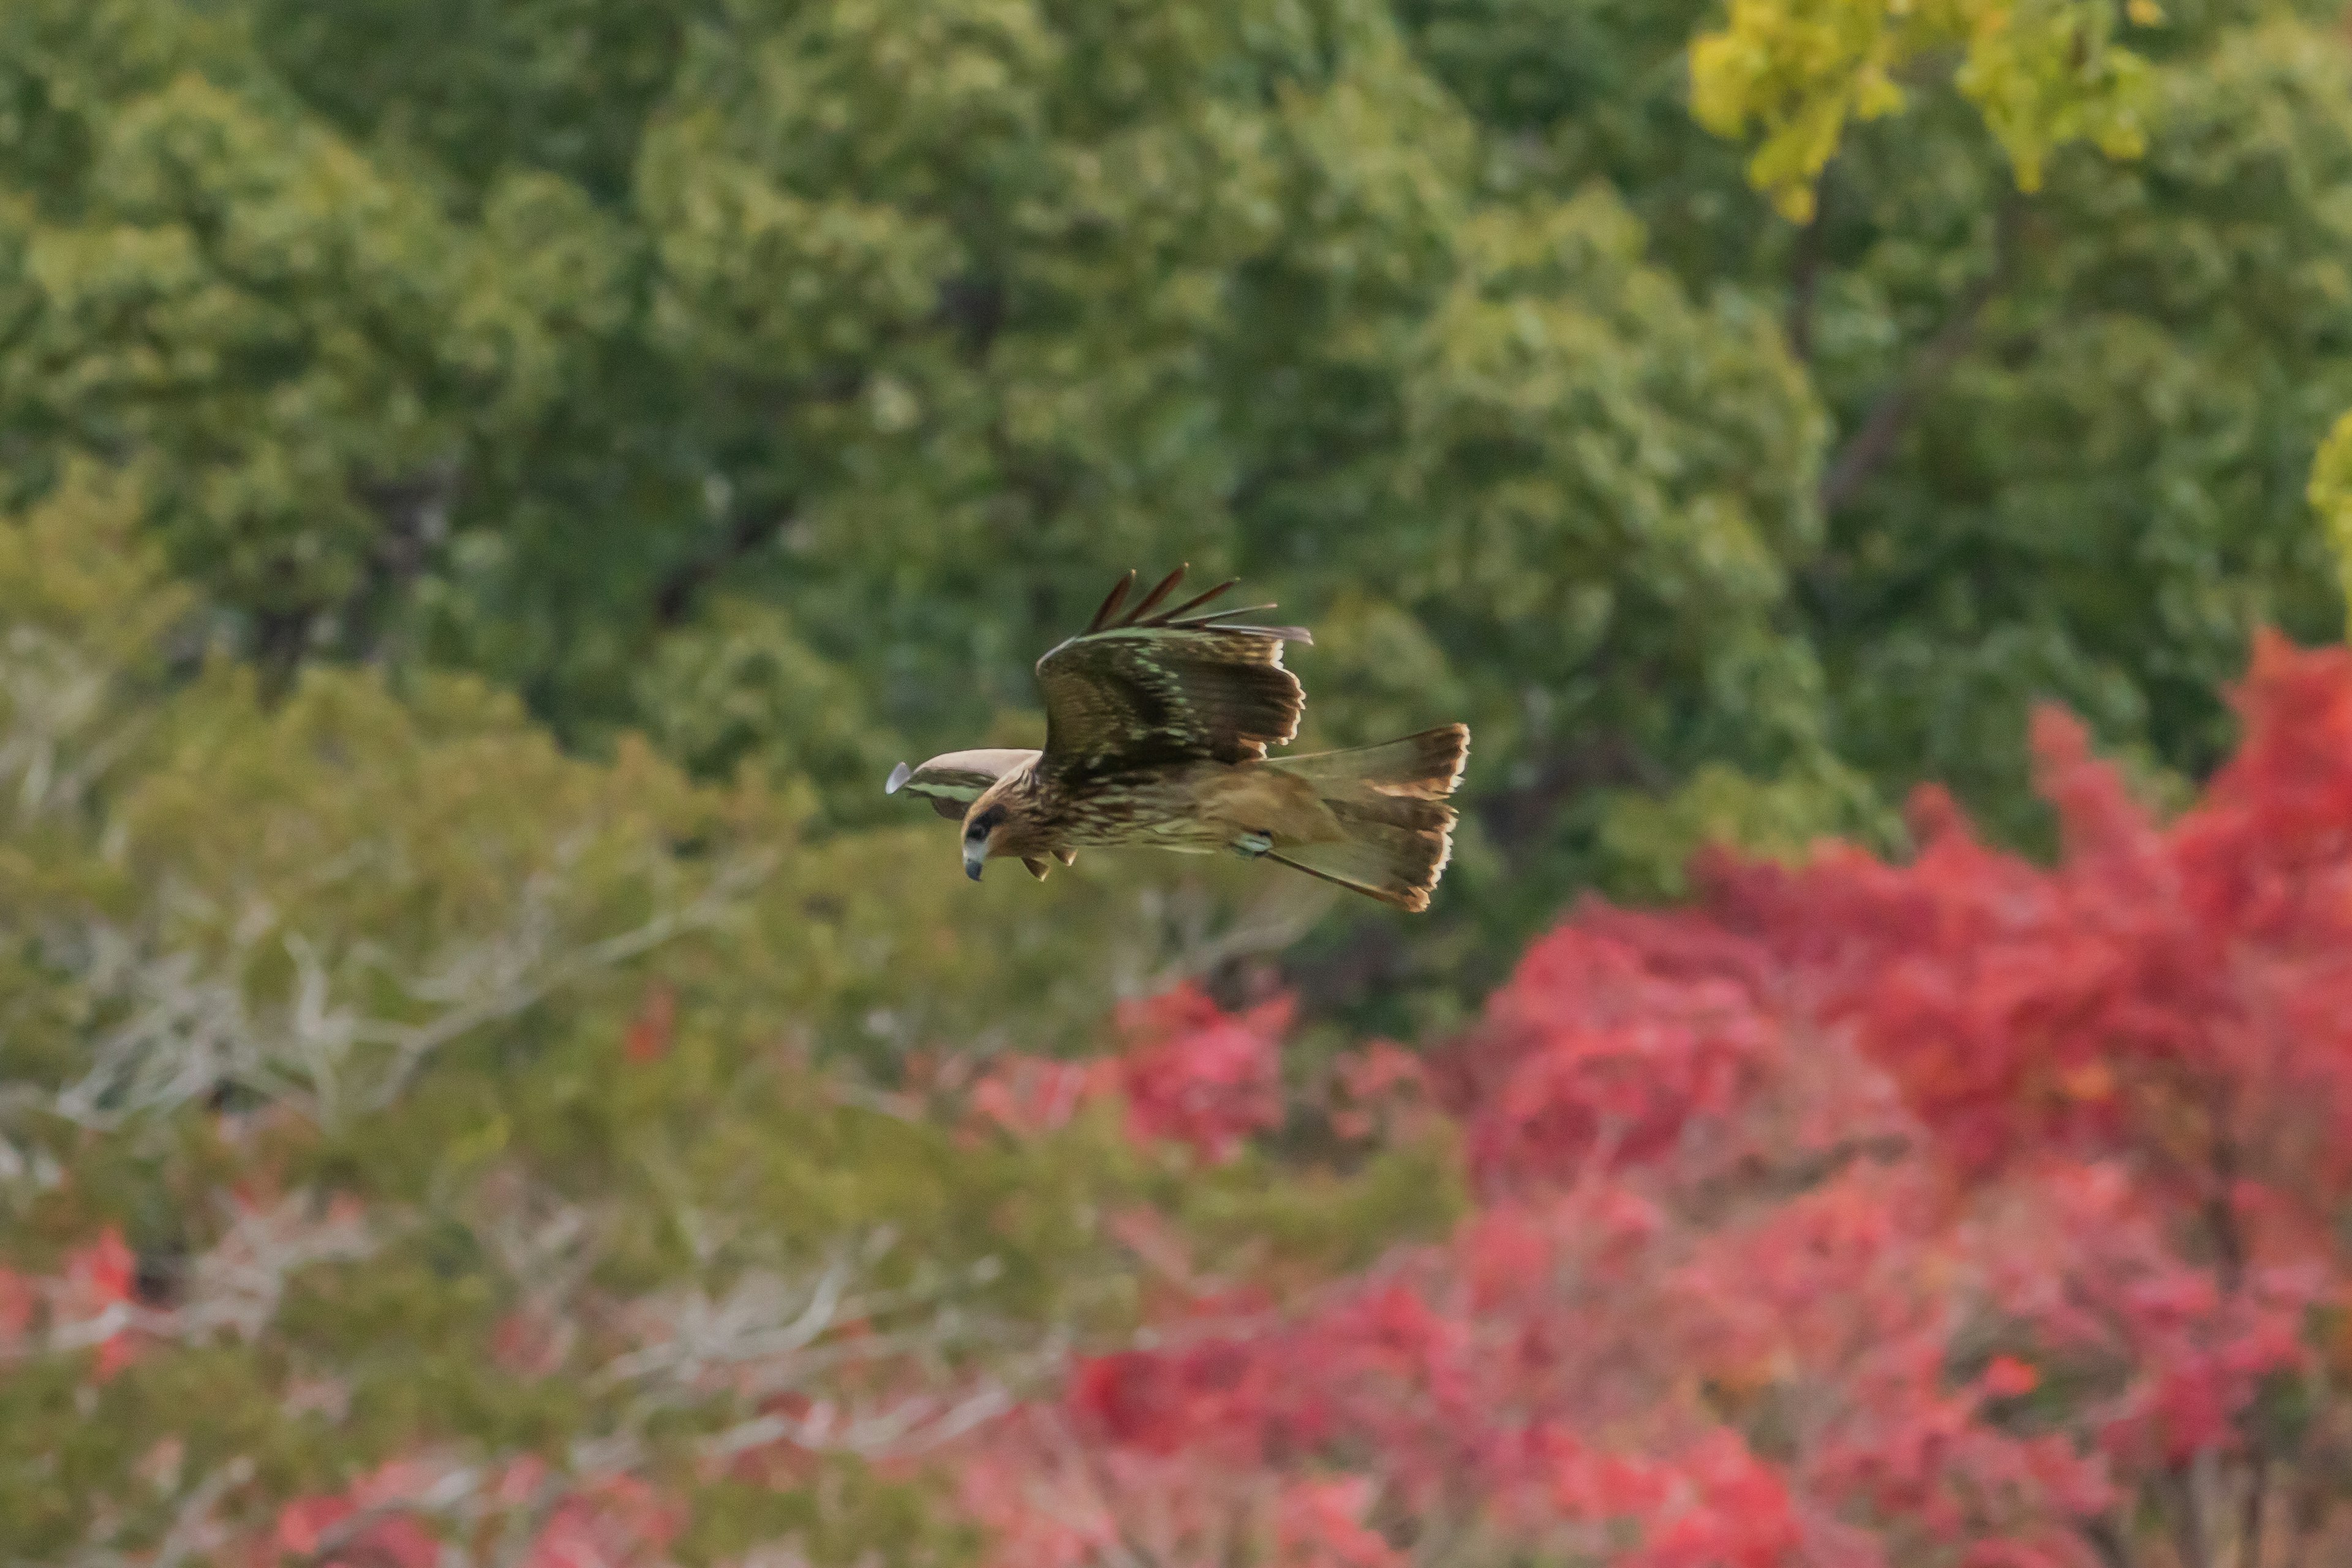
point(1735, 414)
point(487, 490)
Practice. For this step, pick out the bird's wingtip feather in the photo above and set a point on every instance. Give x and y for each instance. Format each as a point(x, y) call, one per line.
point(1111, 602)
point(1159, 592)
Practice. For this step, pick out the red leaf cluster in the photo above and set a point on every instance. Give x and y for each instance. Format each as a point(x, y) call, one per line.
point(1187, 1073)
point(1195, 1075)
point(396, 1517)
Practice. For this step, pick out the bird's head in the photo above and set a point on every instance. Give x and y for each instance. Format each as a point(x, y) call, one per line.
point(986, 828)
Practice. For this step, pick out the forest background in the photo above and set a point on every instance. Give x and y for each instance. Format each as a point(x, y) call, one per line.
point(489, 490)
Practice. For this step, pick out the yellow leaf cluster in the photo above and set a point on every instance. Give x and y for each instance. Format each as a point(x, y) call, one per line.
point(2331, 497)
point(2043, 73)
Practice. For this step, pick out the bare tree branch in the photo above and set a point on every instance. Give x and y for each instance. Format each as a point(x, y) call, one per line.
point(193, 1530)
point(675, 597)
point(57, 737)
point(1876, 440)
point(2254, 1512)
point(187, 1025)
point(526, 978)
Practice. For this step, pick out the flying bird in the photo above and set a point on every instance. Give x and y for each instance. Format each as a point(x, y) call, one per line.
point(1157, 725)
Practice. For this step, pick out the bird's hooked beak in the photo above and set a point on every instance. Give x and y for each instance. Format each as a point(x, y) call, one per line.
point(978, 830)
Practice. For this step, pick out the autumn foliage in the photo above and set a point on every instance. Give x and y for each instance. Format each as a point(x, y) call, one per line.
point(488, 1078)
point(1961, 1211)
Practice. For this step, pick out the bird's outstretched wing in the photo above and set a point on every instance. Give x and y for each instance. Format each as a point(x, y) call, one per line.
point(1144, 687)
point(954, 781)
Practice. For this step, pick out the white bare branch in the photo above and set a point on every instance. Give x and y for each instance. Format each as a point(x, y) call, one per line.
point(185, 1024)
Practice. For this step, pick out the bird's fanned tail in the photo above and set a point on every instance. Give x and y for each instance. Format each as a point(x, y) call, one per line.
point(1390, 802)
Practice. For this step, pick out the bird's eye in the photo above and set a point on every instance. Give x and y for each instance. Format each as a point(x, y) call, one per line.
point(984, 823)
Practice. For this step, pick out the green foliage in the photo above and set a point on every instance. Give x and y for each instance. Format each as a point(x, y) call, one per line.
point(1649, 844)
point(2106, 496)
point(2087, 413)
point(739, 688)
point(1321, 1221)
point(285, 338)
point(482, 91)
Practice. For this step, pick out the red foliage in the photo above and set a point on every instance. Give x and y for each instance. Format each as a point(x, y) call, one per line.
point(384, 1518)
point(1320, 1524)
point(1961, 1211)
point(654, 1025)
point(102, 1273)
point(363, 1528)
point(1595, 1056)
point(1188, 1072)
point(2166, 992)
point(94, 1298)
point(615, 1522)
point(1028, 1095)
point(1194, 1074)
point(1383, 1089)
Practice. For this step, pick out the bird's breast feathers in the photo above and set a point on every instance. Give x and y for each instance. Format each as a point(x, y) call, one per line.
point(1199, 807)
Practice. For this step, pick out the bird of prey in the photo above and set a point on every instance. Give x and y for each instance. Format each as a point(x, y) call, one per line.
point(1157, 725)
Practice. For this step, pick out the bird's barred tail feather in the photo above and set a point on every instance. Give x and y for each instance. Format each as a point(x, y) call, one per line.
point(1390, 801)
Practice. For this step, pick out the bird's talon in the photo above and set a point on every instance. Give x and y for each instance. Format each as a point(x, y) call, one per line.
point(1251, 845)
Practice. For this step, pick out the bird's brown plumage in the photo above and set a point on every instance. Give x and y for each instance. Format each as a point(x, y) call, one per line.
point(1143, 687)
point(1157, 725)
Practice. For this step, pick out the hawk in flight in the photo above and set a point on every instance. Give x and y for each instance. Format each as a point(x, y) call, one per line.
point(1157, 725)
